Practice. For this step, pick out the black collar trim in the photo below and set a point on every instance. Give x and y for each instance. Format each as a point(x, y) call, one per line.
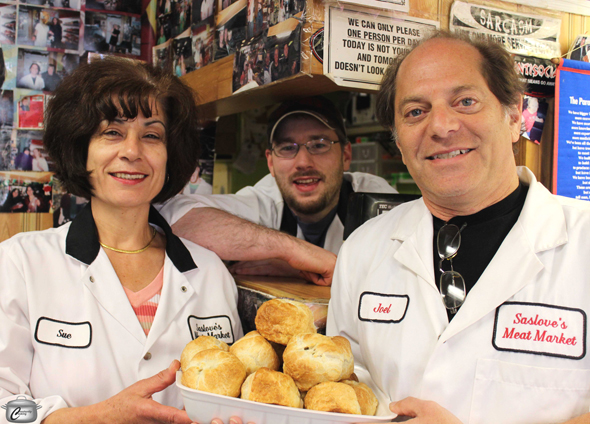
point(82, 240)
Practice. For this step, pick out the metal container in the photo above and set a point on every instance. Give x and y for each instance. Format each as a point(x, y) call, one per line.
point(21, 410)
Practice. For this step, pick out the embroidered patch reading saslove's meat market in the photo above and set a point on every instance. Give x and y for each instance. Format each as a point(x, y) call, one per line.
point(218, 326)
point(540, 329)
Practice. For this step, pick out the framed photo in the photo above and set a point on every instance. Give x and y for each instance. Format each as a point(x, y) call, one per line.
point(162, 55)
point(112, 33)
point(127, 6)
point(53, 28)
point(231, 30)
point(25, 192)
point(203, 36)
point(65, 4)
point(6, 108)
point(7, 149)
point(182, 55)
point(30, 111)
point(203, 9)
point(7, 23)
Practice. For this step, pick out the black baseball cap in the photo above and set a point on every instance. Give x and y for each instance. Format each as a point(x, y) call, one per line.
point(317, 106)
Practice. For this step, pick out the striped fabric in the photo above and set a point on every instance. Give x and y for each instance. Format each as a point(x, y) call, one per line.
point(145, 302)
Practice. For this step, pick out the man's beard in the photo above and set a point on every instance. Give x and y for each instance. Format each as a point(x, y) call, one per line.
point(309, 207)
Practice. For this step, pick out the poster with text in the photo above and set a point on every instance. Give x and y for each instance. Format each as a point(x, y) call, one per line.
point(360, 43)
point(537, 73)
point(520, 33)
point(571, 160)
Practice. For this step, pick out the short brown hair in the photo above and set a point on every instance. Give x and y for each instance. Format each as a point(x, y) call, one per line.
point(497, 68)
point(114, 88)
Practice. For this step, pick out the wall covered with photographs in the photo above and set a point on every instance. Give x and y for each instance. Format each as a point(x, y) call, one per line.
point(264, 34)
point(42, 41)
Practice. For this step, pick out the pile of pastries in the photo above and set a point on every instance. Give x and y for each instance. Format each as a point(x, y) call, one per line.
point(317, 371)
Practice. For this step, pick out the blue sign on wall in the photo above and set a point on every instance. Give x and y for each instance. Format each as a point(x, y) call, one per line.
point(571, 161)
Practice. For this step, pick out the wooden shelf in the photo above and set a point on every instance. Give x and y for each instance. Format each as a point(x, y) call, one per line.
point(213, 83)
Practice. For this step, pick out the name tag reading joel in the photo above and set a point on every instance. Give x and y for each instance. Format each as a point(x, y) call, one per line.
point(217, 326)
point(380, 307)
point(77, 335)
point(540, 329)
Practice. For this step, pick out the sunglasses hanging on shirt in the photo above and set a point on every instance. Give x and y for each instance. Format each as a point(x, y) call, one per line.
point(451, 283)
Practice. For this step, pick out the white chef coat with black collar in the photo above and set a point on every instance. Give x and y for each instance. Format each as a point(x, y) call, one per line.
point(515, 352)
point(263, 204)
point(68, 334)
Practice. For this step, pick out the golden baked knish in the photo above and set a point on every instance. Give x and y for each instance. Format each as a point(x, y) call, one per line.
point(273, 387)
point(215, 371)
point(199, 344)
point(311, 359)
point(255, 352)
point(367, 399)
point(277, 320)
point(332, 397)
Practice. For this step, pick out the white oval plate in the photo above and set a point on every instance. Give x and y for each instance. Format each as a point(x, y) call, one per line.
point(203, 407)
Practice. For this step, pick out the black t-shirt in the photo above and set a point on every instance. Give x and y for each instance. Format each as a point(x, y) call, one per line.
point(315, 233)
point(481, 238)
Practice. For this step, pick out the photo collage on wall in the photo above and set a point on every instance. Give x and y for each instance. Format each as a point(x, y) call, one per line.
point(223, 27)
point(41, 42)
point(268, 58)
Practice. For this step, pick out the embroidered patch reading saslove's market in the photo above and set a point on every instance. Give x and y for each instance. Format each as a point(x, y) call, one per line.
point(540, 329)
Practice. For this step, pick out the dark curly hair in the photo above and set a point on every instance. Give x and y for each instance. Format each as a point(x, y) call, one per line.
point(114, 88)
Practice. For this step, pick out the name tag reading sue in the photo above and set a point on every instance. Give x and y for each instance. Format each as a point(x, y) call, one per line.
point(77, 335)
point(380, 307)
point(540, 329)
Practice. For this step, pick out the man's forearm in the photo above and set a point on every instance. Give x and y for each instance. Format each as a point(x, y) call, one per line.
point(236, 239)
point(231, 237)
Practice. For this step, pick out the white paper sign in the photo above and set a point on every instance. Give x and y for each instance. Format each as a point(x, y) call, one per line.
point(528, 35)
point(360, 43)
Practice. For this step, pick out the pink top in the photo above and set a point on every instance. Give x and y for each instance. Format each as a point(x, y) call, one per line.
point(145, 302)
point(529, 119)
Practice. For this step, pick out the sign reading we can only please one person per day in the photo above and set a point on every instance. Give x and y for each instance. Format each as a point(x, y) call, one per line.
point(361, 43)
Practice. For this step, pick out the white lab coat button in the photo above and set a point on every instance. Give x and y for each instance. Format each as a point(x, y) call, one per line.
point(91, 279)
point(147, 356)
point(184, 289)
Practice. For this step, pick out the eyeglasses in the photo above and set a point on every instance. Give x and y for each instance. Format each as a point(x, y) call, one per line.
point(318, 146)
point(451, 284)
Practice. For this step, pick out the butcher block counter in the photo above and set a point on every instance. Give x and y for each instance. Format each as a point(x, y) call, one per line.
point(255, 290)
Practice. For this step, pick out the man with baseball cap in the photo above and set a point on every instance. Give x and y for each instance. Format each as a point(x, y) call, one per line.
point(305, 195)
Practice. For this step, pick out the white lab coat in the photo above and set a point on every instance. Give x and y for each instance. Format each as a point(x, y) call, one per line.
point(263, 204)
point(27, 82)
point(485, 366)
point(46, 293)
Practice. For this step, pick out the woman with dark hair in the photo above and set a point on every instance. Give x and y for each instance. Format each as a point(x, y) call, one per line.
point(94, 310)
point(114, 40)
point(32, 202)
point(14, 202)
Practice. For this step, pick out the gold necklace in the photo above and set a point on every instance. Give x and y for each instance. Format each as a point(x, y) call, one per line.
point(131, 251)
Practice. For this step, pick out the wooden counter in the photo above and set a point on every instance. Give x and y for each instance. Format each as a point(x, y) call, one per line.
point(255, 290)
